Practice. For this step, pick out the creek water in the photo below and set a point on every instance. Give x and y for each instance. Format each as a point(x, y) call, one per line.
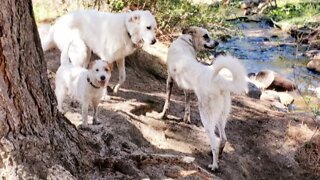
point(263, 47)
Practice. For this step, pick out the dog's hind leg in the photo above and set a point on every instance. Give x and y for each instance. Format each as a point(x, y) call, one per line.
point(209, 120)
point(223, 121)
point(122, 74)
point(168, 95)
point(186, 117)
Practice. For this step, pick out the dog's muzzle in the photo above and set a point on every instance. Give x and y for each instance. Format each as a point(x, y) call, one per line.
point(153, 41)
point(212, 46)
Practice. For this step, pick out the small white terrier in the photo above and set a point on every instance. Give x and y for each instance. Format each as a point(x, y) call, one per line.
point(86, 85)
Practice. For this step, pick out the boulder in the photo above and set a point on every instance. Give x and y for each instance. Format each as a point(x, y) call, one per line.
point(282, 97)
point(253, 91)
point(281, 83)
point(314, 65)
point(313, 54)
point(265, 77)
point(285, 98)
point(268, 79)
point(270, 95)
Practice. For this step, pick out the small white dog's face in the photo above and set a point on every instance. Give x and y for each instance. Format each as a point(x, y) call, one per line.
point(99, 72)
point(200, 38)
point(142, 27)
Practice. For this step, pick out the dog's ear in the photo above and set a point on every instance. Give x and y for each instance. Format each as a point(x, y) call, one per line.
point(189, 30)
point(90, 65)
point(135, 18)
point(109, 67)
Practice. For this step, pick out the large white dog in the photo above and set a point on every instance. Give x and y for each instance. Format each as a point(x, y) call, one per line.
point(86, 85)
point(111, 36)
point(211, 88)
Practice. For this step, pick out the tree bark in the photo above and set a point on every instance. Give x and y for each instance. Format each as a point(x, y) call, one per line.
point(34, 136)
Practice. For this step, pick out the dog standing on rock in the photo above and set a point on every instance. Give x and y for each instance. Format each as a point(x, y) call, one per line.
point(86, 85)
point(111, 36)
point(212, 89)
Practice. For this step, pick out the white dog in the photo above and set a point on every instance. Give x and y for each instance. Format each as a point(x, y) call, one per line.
point(110, 36)
point(211, 88)
point(86, 85)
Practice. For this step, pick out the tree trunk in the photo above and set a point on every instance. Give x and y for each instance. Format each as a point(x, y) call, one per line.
point(34, 136)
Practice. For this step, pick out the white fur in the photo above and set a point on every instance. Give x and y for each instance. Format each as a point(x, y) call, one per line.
point(211, 89)
point(106, 34)
point(73, 80)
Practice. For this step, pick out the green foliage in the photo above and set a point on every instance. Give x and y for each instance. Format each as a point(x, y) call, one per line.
point(117, 5)
point(297, 10)
point(314, 104)
point(171, 15)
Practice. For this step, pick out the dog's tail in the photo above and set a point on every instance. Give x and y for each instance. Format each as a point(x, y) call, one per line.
point(47, 41)
point(238, 84)
point(64, 58)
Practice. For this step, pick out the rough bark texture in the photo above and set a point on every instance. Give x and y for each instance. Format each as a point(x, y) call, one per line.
point(33, 136)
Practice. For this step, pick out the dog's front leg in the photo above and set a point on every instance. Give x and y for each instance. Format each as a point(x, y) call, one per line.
point(95, 104)
point(186, 117)
point(60, 94)
point(122, 74)
point(168, 95)
point(84, 111)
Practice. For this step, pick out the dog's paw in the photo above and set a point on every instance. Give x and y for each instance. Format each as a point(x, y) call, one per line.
point(213, 166)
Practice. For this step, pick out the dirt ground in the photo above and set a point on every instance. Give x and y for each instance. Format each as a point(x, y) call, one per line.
point(262, 143)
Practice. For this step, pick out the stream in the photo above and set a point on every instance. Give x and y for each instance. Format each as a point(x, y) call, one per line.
point(263, 47)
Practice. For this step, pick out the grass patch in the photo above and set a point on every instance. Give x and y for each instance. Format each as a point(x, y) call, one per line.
point(296, 12)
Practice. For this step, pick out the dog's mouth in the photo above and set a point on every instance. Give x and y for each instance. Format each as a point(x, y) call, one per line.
point(211, 45)
point(102, 83)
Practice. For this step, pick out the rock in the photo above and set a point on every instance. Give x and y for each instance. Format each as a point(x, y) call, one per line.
point(314, 65)
point(253, 91)
point(278, 106)
point(281, 83)
point(173, 172)
point(318, 92)
point(263, 79)
point(268, 79)
point(292, 108)
point(245, 5)
point(270, 95)
point(283, 98)
point(313, 54)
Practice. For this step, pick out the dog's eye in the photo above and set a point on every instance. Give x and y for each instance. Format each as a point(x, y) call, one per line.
point(97, 70)
point(206, 36)
point(106, 69)
point(149, 27)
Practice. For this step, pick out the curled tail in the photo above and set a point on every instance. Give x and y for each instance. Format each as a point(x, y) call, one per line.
point(47, 41)
point(238, 84)
point(64, 58)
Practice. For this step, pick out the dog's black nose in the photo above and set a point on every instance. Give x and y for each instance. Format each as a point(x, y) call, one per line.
point(102, 78)
point(153, 41)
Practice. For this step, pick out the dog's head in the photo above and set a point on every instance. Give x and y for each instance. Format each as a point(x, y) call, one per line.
point(141, 26)
point(99, 72)
point(200, 38)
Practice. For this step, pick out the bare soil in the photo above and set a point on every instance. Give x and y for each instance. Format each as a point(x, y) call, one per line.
point(262, 143)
